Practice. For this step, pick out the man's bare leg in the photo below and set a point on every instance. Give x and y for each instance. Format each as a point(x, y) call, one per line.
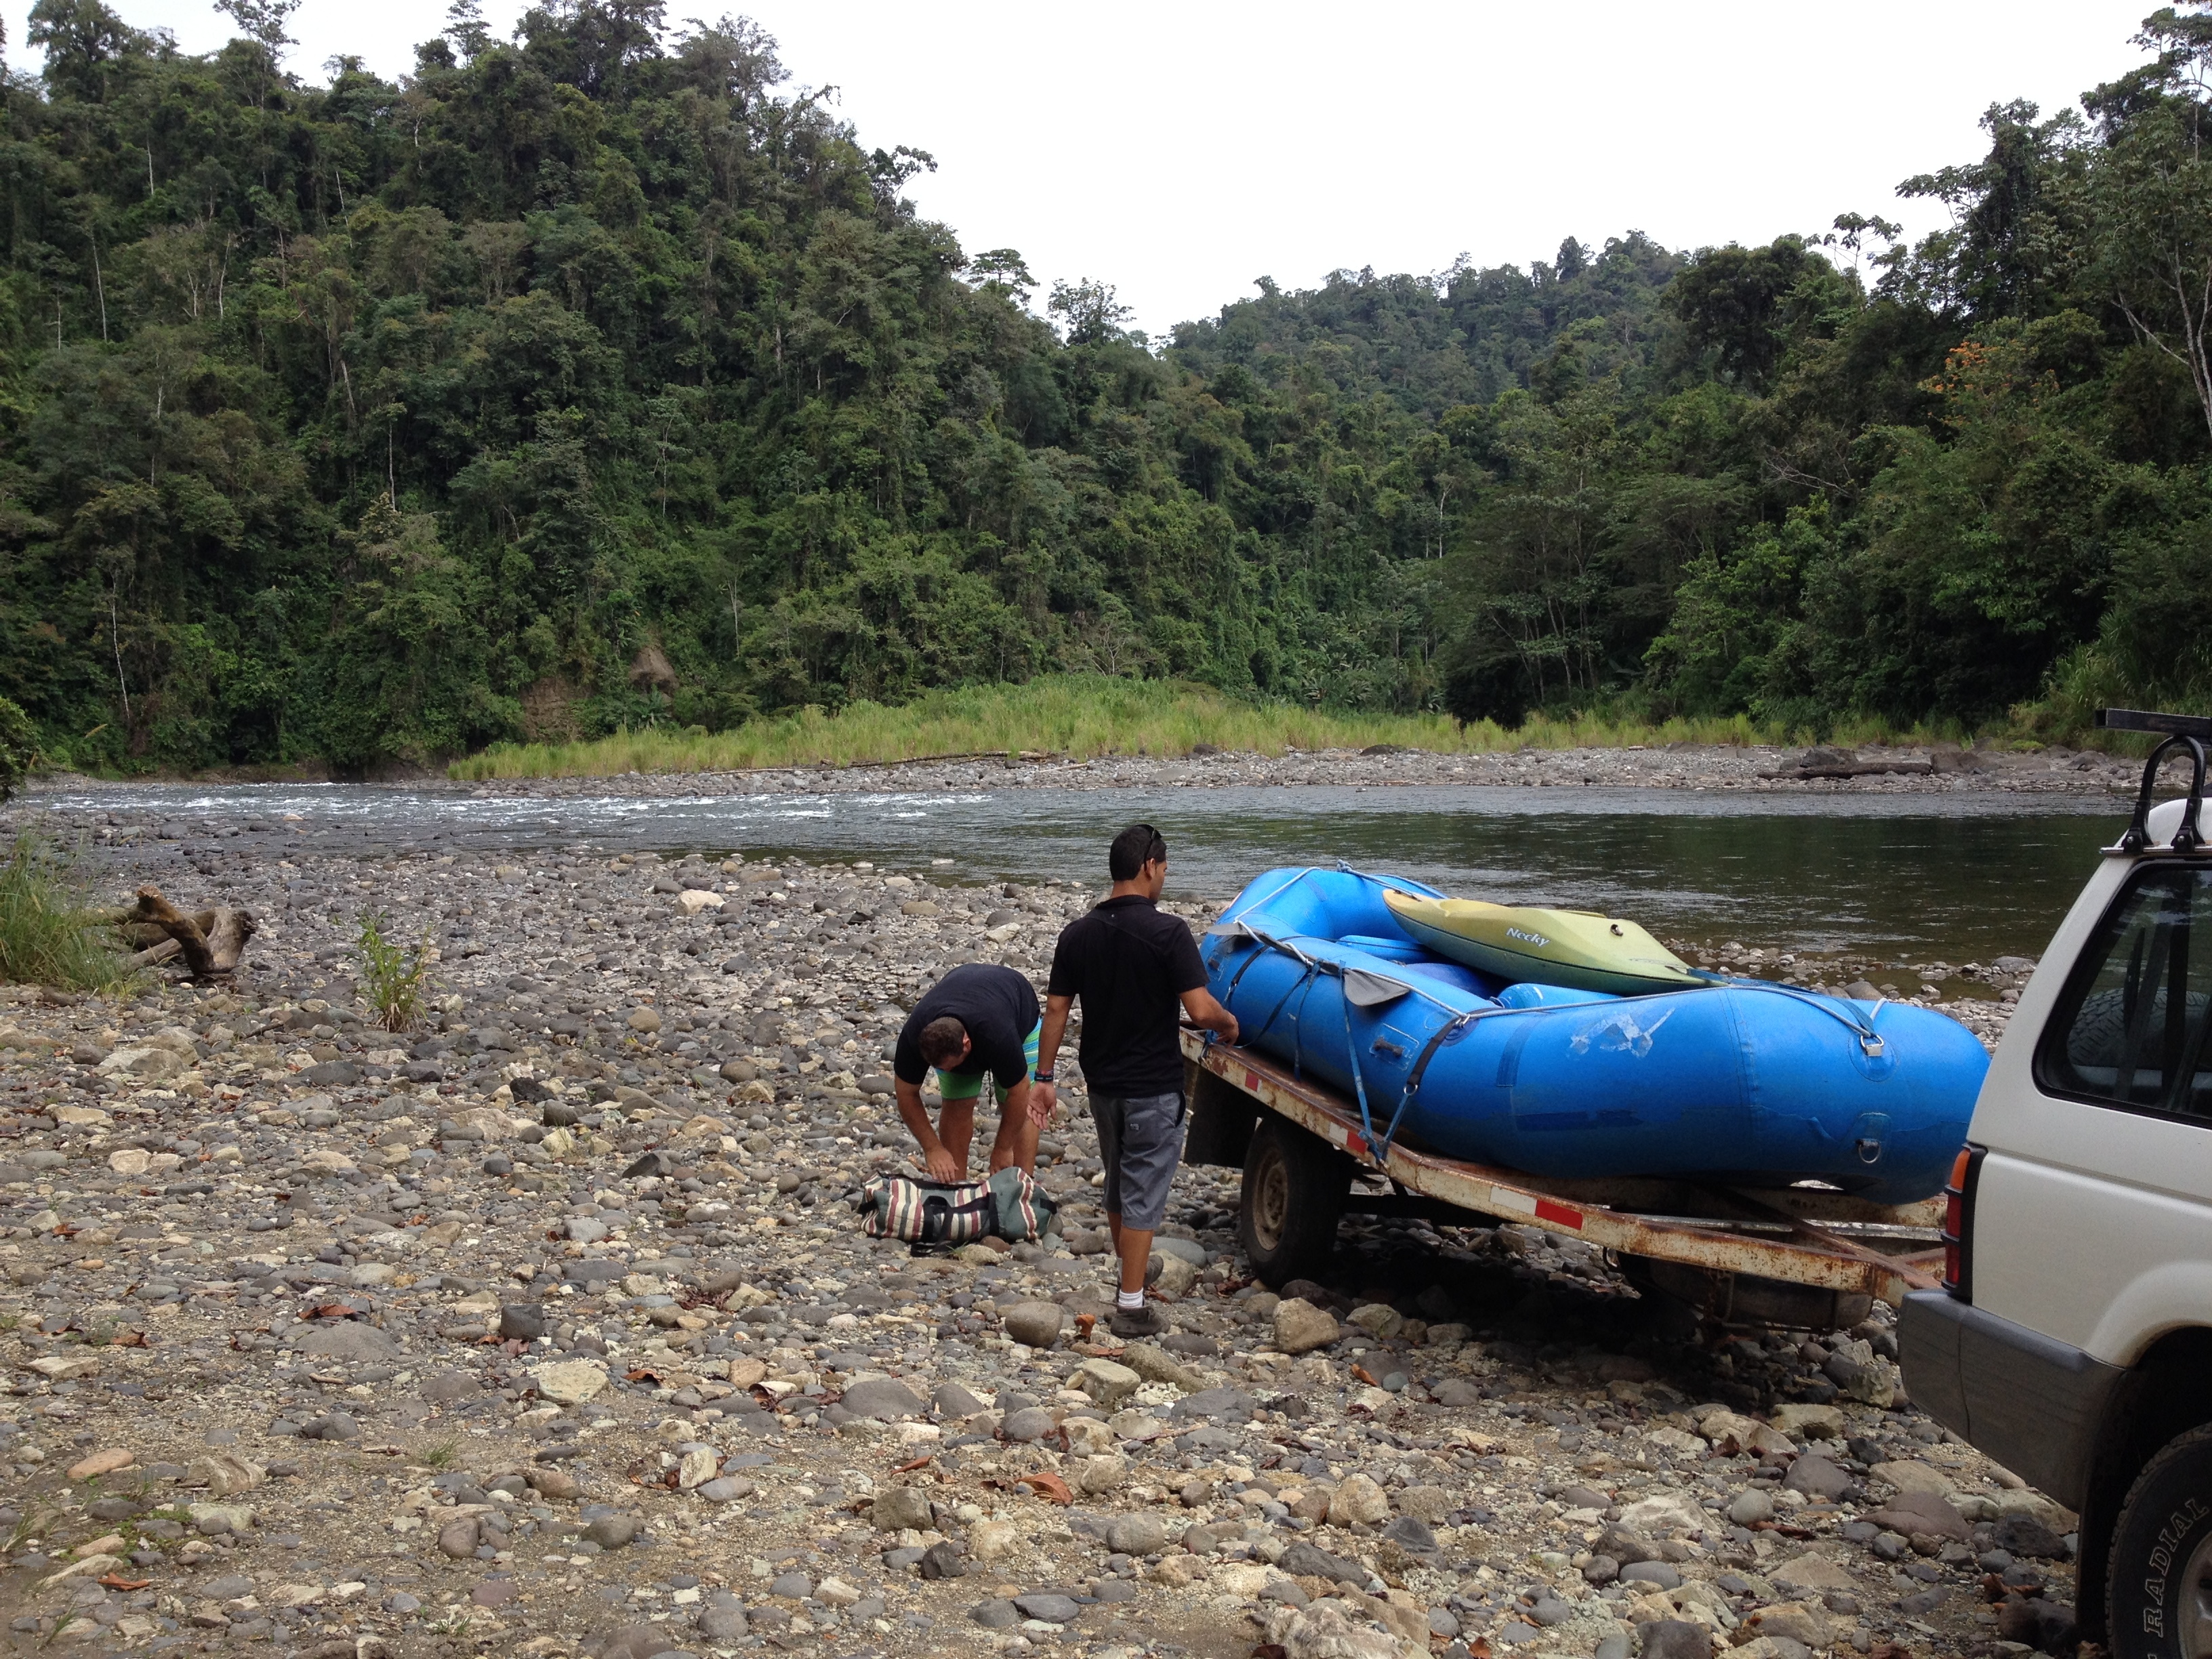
point(956, 1127)
point(1016, 1142)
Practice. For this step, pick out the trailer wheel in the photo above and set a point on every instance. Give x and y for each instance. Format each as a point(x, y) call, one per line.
point(1295, 1185)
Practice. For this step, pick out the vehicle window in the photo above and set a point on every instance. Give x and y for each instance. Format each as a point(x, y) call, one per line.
point(2129, 1030)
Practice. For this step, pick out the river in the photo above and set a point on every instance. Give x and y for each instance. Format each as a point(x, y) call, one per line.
point(1956, 876)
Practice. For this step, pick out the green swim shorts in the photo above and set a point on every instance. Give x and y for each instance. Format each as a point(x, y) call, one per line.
point(951, 1085)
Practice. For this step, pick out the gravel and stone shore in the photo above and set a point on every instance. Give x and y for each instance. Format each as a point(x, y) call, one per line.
point(1674, 765)
point(547, 1329)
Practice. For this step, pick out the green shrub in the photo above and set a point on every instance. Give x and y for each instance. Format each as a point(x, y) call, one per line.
point(395, 981)
point(19, 747)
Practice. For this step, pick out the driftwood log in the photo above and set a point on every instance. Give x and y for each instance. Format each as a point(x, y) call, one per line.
point(210, 942)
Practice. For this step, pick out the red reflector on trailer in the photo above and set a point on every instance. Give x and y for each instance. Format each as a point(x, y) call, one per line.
point(1559, 1214)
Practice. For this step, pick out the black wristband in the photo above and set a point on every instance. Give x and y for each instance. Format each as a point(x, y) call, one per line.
point(1041, 1077)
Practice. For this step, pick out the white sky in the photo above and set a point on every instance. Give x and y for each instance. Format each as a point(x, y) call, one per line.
point(1180, 150)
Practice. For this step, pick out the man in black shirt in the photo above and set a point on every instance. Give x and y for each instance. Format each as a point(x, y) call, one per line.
point(1132, 964)
point(979, 1017)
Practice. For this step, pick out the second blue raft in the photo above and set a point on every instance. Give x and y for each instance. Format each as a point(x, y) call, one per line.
point(1743, 1083)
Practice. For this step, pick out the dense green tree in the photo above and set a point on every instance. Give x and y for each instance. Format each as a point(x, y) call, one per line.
point(592, 377)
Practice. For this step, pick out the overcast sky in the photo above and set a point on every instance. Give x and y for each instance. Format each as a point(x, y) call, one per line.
point(1180, 150)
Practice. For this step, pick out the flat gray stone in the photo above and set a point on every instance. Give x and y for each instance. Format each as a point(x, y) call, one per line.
point(612, 1532)
point(897, 1507)
point(881, 1397)
point(1034, 1324)
point(1816, 1477)
point(1748, 1508)
point(1053, 1609)
point(1031, 1423)
point(1677, 1638)
point(348, 1340)
point(1138, 1533)
point(1409, 1533)
point(1304, 1560)
point(953, 1401)
point(1213, 1402)
point(996, 1615)
point(1550, 1610)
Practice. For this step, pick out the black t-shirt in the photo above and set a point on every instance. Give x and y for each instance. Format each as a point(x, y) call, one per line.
point(997, 1005)
point(1130, 961)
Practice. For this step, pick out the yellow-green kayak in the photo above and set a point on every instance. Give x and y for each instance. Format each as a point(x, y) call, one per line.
point(1578, 948)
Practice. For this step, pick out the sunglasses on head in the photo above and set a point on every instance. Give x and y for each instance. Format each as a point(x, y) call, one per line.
point(1156, 848)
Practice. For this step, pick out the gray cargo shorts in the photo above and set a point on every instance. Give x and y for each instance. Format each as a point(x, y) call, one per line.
point(1140, 1143)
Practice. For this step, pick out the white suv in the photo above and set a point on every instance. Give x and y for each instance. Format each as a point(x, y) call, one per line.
point(2073, 1340)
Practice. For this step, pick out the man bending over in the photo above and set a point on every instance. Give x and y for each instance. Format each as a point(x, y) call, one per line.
point(979, 1017)
point(1132, 964)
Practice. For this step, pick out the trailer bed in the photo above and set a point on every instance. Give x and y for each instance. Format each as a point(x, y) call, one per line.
point(1808, 1235)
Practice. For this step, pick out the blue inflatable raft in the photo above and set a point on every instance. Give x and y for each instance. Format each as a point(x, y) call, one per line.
point(1741, 1082)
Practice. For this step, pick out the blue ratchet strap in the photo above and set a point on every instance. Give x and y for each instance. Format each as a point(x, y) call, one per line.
point(1378, 1152)
point(1305, 981)
point(1312, 978)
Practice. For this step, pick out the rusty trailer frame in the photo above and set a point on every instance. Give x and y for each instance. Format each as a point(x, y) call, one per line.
point(1809, 1236)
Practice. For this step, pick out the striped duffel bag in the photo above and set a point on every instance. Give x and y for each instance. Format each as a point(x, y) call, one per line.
point(928, 1211)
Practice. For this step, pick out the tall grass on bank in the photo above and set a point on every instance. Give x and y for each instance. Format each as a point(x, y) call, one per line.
point(49, 935)
point(1080, 716)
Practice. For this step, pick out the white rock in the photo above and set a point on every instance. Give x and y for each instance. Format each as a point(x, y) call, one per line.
point(569, 1381)
point(1662, 1513)
point(224, 1475)
point(696, 1469)
point(1358, 1500)
point(145, 1063)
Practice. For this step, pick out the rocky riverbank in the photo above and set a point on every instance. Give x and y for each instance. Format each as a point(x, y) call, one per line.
point(546, 1330)
point(1676, 766)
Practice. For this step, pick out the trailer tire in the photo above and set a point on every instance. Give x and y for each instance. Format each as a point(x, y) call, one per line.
point(1295, 1185)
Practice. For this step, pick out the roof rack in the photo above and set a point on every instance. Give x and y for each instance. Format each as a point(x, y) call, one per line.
point(2185, 732)
point(2143, 720)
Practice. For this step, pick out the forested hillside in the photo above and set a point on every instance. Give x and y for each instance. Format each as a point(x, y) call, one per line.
point(593, 379)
